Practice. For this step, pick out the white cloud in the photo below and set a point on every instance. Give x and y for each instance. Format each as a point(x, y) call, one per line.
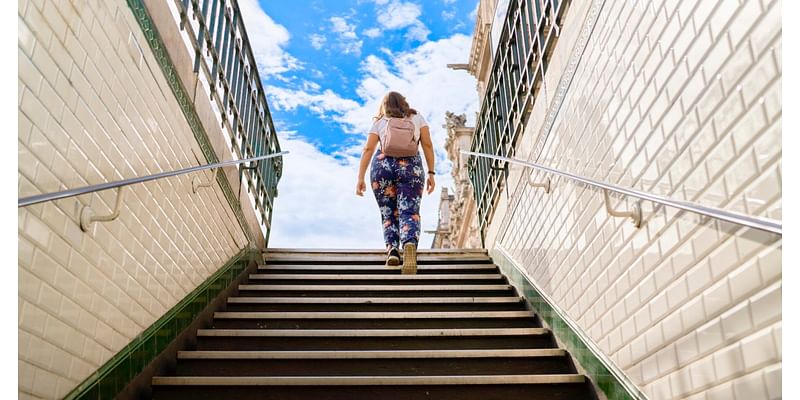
point(308, 85)
point(448, 15)
point(399, 15)
point(372, 32)
point(267, 39)
point(323, 103)
point(348, 40)
point(317, 73)
point(317, 40)
point(474, 13)
point(418, 32)
point(344, 29)
point(316, 206)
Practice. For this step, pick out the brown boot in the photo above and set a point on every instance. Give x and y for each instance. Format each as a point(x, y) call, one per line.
point(409, 259)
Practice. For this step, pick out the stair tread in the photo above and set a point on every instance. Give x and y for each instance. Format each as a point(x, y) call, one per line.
point(371, 315)
point(373, 267)
point(369, 251)
point(369, 354)
point(373, 300)
point(373, 332)
point(275, 335)
point(376, 277)
point(369, 380)
point(374, 288)
point(377, 258)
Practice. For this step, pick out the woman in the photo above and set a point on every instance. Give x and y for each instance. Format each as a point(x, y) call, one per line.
point(397, 181)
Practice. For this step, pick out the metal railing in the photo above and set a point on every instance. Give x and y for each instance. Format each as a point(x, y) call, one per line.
point(527, 40)
point(224, 57)
point(763, 224)
point(87, 218)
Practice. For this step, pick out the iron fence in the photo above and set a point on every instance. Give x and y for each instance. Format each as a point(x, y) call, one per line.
point(224, 62)
point(528, 37)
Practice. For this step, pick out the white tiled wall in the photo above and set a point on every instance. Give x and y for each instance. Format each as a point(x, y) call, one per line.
point(682, 99)
point(91, 111)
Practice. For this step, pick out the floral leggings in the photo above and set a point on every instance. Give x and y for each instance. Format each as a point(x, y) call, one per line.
point(397, 183)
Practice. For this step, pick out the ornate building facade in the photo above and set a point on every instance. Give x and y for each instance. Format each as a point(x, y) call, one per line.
point(461, 227)
point(441, 236)
point(458, 226)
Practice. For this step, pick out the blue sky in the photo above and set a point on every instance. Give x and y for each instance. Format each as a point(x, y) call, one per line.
point(325, 65)
point(335, 61)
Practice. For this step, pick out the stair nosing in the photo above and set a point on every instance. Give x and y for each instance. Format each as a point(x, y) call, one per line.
point(374, 300)
point(361, 251)
point(375, 276)
point(368, 380)
point(395, 288)
point(378, 258)
point(372, 267)
point(371, 314)
point(369, 354)
point(444, 332)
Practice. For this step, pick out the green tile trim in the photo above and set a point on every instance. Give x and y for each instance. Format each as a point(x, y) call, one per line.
point(187, 106)
point(115, 374)
point(608, 377)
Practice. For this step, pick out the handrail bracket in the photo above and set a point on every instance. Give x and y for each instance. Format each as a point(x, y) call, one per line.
point(544, 184)
point(87, 215)
point(197, 184)
point(635, 214)
point(251, 167)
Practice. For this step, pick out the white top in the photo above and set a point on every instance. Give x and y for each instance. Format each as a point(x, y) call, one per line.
point(379, 127)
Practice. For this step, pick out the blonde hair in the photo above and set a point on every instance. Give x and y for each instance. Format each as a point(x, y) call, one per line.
point(394, 105)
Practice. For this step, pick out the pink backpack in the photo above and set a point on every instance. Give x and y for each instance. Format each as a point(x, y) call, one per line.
point(398, 138)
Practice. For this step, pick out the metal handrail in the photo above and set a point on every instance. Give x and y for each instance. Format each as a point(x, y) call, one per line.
point(41, 198)
point(764, 224)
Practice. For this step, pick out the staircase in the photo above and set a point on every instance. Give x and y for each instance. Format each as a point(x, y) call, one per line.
point(340, 325)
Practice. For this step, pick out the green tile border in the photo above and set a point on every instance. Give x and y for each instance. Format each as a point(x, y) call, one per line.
point(115, 374)
point(608, 377)
point(187, 106)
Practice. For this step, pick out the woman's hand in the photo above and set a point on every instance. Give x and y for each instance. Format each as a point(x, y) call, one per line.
point(361, 187)
point(431, 184)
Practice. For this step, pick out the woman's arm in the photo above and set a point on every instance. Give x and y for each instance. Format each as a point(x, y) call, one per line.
point(366, 155)
point(427, 149)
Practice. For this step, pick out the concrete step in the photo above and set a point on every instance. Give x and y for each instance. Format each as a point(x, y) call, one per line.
point(373, 259)
point(367, 354)
point(368, 380)
point(374, 279)
point(373, 362)
point(372, 315)
point(374, 320)
point(371, 277)
point(375, 300)
point(301, 290)
point(373, 339)
point(464, 387)
point(375, 304)
point(393, 288)
point(339, 252)
point(375, 269)
point(372, 333)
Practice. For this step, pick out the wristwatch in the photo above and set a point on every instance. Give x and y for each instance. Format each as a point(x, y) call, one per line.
point(431, 173)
